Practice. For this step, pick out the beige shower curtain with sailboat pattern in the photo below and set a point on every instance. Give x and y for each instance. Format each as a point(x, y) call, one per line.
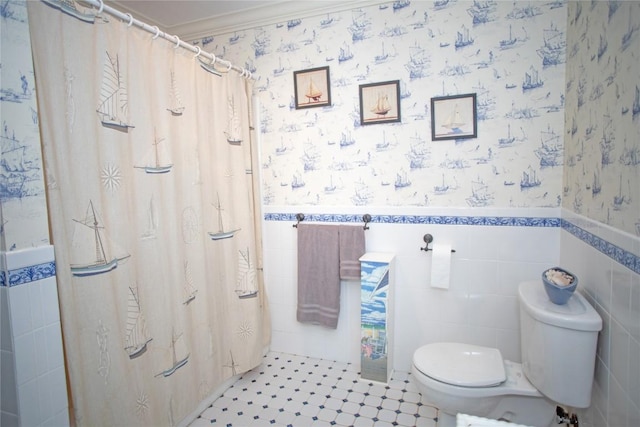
point(154, 219)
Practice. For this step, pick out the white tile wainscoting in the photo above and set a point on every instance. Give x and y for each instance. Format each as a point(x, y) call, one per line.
point(496, 249)
point(34, 389)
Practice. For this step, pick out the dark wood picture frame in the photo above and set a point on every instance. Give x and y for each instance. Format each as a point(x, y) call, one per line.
point(454, 117)
point(312, 88)
point(380, 103)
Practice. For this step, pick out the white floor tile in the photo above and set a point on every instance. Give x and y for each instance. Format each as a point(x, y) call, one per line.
point(298, 391)
point(373, 401)
point(338, 393)
point(356, 397)
point(363, 422)
point(390, 404)
point(309, 411)
point(350, 408)
point(387, 415)
point(327, 414)
point(344, 419)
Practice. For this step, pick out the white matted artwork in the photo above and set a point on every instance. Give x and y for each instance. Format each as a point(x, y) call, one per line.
point(454, 117)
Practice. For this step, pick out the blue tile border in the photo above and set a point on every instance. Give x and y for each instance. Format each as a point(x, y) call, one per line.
point(621, 256)
point(422, 219)
point(21, 276)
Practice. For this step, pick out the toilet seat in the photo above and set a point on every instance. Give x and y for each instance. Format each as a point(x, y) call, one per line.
point(462, 365)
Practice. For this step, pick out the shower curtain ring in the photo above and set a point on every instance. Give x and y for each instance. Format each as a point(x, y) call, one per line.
point(177, 42)
point(130, 19)
point(101, 7)
point(198, 52)
point(157, 32)
point(229, 66)
point(213, 59)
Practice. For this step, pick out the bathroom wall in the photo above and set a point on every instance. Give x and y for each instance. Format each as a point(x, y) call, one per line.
point(22, 195)
point(600, 239)
point(496, 249)
point(602, 153)
point(494, 198)
point(510, 54)
point(596, 236)
point(33, 385)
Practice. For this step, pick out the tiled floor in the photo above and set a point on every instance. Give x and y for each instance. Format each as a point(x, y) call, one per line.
point(298, 391)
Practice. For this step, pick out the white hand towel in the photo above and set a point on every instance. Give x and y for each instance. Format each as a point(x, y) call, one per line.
point(440, 266)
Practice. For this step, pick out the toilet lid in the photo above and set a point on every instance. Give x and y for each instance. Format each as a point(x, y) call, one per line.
point(461, 364)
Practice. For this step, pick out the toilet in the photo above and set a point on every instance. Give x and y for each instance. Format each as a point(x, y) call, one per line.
point(558, 346)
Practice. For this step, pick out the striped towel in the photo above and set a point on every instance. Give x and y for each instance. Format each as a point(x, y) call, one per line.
point(351, 249)
point(318, 275)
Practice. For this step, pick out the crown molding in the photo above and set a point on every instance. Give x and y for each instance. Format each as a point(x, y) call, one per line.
point(264, 15)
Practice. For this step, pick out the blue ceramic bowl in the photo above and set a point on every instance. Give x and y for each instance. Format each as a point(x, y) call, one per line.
point(558, 293)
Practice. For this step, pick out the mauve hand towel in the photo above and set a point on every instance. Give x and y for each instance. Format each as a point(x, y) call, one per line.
point(318, 275)
point(351, 249)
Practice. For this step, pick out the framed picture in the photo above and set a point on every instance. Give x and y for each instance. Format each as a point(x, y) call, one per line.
point(454, 117)
point(312, 87)
point(380, 102)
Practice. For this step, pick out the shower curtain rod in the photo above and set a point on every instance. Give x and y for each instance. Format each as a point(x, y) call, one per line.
point(130, 20)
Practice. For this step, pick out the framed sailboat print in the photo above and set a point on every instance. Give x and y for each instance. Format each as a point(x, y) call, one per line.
point(380, 102)
point(312, 88)
point(454, 117)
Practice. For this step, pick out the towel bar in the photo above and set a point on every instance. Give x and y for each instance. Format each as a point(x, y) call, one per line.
point(366, 218)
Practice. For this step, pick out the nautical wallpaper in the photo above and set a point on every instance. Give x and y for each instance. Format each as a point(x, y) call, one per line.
point(24, 212)
point(602, 136)
point(510, 54)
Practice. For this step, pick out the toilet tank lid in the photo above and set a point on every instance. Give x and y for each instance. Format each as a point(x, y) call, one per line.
point(460, 364)
point(577, 314)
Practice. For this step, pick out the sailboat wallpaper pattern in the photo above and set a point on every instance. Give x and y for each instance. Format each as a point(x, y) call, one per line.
point(602, 164)
point(22, 193)
point(511, 54)
point(156, 312)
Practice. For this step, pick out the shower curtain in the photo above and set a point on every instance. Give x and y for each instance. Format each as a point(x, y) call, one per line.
point(154, 217)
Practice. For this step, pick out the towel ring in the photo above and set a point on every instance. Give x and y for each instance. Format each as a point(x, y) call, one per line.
point(157, 32)
point(130, 19)
point(300, 218)
point(198, 52)
point(177, 42)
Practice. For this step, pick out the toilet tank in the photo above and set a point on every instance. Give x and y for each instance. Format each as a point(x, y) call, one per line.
point(558, 344)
